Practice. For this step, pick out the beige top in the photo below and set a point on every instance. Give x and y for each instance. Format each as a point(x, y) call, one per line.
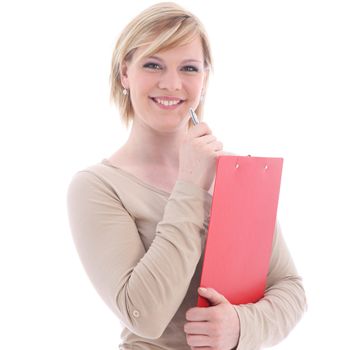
point(142, 250)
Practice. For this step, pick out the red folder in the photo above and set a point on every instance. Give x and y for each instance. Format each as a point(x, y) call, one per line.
point(241, 227)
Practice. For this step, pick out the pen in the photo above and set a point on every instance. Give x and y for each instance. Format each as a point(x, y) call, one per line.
point(194, 117)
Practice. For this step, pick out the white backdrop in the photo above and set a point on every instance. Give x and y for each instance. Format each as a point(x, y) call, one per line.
point(280, 88)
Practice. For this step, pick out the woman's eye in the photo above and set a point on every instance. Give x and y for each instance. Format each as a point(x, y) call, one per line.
point(156, 66)
point(152, 65)
point(190, 69)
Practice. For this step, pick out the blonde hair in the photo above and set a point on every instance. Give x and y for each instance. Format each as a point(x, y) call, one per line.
point(162, 26)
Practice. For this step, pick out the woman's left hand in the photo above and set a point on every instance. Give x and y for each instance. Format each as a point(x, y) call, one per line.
point(215, 327)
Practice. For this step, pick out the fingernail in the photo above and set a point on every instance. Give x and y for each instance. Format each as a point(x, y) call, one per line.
point(202, 289)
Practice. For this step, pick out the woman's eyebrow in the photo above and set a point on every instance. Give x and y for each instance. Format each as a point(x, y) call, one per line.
point(184, 61)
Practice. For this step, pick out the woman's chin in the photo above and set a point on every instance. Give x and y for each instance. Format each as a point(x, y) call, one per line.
point(171, 126)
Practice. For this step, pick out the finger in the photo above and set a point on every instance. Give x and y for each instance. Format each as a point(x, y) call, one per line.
point(212, 142)
point(221, 153)
point(198, 314)
point(197, 340)
point(214, 147)
point(206, 138)
point(199, 130)
point(225, 153)
point(213, 296)
point(217, 146)
point(198, 328)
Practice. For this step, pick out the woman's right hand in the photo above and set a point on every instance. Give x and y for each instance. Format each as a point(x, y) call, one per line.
point(197, 156)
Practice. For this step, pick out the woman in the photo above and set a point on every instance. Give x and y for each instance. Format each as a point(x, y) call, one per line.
point(139, 218)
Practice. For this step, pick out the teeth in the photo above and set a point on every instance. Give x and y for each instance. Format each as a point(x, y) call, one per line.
point(167, 103)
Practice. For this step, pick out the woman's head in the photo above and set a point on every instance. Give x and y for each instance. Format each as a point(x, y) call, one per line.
point(160, 28)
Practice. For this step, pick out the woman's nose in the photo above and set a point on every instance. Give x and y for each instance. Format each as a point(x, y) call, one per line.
point(170, 80)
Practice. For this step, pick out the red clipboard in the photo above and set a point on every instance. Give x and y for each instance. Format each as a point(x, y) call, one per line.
point(241, 227)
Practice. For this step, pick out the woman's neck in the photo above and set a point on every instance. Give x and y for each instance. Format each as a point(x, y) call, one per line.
point(148, 146)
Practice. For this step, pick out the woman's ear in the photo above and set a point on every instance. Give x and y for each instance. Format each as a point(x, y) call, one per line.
point(124, 75)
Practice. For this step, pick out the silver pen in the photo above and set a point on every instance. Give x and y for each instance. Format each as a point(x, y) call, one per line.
point(194, 117)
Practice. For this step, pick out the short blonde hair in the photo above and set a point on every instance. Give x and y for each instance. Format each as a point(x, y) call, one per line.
point(162, 26)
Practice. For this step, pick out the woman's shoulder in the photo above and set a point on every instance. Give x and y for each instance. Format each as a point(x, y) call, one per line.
point(92, 171)
point(91, 178)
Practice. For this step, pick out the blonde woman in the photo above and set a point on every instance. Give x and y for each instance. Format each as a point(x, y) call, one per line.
point(139, 218)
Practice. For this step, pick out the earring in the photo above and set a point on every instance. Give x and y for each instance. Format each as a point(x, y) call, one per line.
point(125, 92)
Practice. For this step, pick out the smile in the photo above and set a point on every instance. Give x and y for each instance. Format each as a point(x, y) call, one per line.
point(167, 104)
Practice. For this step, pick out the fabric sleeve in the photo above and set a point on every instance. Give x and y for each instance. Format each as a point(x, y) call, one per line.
point(270, 320)
point(144, 289)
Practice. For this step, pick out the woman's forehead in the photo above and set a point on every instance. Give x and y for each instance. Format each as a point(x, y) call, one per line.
point(192, 51)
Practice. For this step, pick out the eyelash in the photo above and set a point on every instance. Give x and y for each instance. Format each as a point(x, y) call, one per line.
point(152, 66)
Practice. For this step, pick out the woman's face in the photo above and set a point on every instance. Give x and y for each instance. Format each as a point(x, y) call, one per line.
point(164, 86)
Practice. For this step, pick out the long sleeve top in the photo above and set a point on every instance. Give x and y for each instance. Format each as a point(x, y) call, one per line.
point(142, 249)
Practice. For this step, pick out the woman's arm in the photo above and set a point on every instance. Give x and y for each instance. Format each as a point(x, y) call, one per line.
point(268, 321)
point(144, 289)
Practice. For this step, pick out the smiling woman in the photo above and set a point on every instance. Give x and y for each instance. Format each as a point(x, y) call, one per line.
point(165, 82)
point(139, 219)
point(159, 28)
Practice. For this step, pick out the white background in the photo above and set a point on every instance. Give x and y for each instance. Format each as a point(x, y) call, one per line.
point(281, 87)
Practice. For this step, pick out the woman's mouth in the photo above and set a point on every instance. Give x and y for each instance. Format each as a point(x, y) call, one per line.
point(167, 103)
